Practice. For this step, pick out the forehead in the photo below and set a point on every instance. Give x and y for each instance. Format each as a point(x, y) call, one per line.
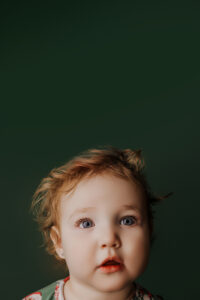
point(104, 190)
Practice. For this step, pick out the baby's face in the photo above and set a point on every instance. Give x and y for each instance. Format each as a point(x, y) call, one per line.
point(104, 217)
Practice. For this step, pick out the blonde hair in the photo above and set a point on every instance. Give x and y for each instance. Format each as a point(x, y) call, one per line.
point(127, 164)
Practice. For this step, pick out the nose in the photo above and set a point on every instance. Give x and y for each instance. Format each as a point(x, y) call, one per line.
point(109, 238)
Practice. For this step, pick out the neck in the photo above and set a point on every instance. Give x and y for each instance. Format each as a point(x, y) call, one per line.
point(74, 290)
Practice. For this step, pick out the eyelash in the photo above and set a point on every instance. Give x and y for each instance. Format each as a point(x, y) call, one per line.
point(79, 222)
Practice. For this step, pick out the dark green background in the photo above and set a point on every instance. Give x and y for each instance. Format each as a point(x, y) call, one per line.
point(80, 74)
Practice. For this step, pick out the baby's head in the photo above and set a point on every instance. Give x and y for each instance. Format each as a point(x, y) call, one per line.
point(97, 206)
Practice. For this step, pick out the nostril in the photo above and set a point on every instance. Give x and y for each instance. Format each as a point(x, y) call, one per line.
point(115, 245)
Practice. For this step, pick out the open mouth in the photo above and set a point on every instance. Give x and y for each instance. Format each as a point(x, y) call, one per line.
point(111, 266)
point(110, 263)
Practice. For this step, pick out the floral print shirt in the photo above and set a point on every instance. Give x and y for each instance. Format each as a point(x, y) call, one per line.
point(55, 291)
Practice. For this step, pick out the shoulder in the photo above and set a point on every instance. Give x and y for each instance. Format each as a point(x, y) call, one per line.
point(51, 292)
point(144, 294)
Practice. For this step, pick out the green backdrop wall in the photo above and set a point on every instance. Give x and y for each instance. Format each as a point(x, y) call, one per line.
point(80, 74)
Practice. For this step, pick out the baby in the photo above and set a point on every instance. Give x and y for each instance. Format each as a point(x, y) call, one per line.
point(95, 213)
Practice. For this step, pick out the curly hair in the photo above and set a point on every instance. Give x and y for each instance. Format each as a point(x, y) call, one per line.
point(127, 164)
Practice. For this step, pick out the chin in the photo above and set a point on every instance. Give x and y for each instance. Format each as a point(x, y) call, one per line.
point(109, 285)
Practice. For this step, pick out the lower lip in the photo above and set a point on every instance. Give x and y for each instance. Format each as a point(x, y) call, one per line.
point(111, 268)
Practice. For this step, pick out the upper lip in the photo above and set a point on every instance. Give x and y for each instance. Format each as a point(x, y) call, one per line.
point(113, 258)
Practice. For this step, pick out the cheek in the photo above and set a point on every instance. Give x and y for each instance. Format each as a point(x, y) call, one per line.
point(138, 246)
point(77, 247)
point(137, 255)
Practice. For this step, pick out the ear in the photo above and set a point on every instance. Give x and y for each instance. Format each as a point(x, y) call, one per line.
point(56, 239)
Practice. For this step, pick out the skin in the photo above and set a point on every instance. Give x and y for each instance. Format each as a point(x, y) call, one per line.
point(108, 229)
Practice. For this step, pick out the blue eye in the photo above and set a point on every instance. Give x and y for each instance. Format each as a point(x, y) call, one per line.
point(85, 223)
point(128, 220)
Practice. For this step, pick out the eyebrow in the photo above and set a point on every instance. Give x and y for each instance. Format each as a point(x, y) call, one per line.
point(81, 210)
point(126, 206)
point(85, 209)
